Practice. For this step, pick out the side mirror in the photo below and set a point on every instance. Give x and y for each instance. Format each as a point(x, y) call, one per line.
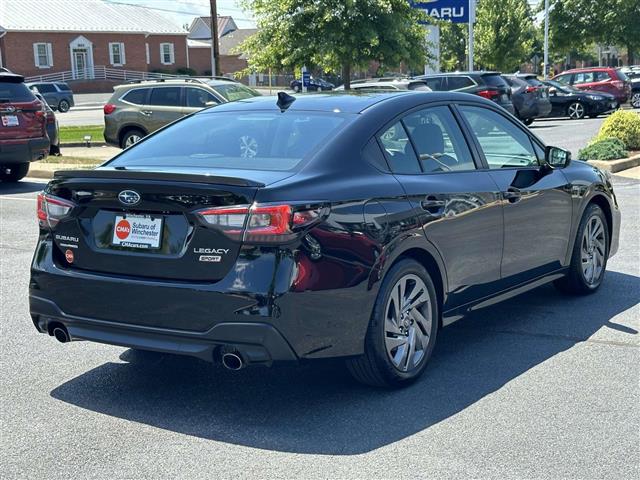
point(553, 91)
point(557, 157)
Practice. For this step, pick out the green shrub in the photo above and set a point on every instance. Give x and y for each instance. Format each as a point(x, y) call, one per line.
point(603, 149)
point(624, 125)
point(186, 71)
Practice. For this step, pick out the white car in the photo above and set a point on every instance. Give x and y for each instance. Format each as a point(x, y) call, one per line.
point(387, 84)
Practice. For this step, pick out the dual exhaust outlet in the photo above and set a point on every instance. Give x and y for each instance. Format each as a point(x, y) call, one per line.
point(231, 360)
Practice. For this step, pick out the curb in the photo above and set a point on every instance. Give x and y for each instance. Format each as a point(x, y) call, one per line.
point(83, 144)
point(615, 166)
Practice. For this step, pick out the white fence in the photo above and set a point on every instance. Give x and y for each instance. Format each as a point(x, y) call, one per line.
point(100, 73)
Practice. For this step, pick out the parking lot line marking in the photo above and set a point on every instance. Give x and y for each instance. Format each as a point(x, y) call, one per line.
point(32, 199)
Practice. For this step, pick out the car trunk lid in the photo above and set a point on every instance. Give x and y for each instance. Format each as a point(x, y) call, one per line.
point(144, 223)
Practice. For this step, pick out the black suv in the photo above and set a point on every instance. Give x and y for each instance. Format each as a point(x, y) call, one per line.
point(489, 85)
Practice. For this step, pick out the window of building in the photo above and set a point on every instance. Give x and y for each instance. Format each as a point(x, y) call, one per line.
point(116, 54)
point(167, 56)
point(43, 55)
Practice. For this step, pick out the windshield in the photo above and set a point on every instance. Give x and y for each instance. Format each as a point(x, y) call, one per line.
point(622, 75)
point(235, 91)
point(562, 87)
point(237, 140)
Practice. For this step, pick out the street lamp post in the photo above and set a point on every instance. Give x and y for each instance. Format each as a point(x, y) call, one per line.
point(546, 39)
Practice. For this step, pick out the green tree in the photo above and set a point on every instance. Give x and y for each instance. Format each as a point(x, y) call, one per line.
point(335, 35)
point(454, 38)
point(503, 34)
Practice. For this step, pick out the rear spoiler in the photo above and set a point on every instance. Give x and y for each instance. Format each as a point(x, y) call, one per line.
point(144, 175)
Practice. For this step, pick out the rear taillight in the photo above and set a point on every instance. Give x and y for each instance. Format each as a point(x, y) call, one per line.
point(531, 89)
point(52, 209)
point(41, 115)
point(490, 94)
point(109, 108)
point(261, 223)
point(619, 84)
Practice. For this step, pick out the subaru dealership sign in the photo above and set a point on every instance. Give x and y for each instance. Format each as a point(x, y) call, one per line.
point(456, 11)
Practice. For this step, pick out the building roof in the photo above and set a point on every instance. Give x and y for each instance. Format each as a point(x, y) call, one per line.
point(82, 16)
point(201, 27)
point(231, 40)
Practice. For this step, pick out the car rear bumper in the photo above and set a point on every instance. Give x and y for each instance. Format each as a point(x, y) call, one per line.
point(28, 150)
point(257, 343)
point(256, 308)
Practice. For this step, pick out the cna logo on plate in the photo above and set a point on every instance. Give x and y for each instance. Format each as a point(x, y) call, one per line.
point(123, 229)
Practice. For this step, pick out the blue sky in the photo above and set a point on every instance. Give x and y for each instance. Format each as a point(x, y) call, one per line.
point(183, 11)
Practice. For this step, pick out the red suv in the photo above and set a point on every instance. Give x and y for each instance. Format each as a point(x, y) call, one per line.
point(23, 128)
point(604, 79)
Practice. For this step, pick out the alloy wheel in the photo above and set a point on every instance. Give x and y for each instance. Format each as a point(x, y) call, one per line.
point(635, 100)
point(408, 322)
point(576, 111)
point(132, 139)
point(593, 250)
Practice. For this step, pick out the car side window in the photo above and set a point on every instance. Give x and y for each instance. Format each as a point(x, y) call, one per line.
point(46, 88)
point(137, 96)
point(434, 83)
point(398, 150)
point(583, 77)
point(503, 143)
point(199, 98)
point(565, 79)
point(456, 83)
point(165, 96)
point(438, 140)
point(602, 76)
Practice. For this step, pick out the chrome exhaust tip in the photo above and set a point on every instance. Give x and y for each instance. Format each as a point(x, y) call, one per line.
point(232, 361)
point(61, 334)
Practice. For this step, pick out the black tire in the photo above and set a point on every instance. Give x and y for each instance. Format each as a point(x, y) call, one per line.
point(576, 111)
point(375, 367)
point(575, 282)
point(129, 137)
point(528, 121)
point(63, 106)
point(296, 88)
point(16, 172)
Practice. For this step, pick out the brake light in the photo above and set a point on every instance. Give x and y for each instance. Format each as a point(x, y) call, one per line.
point(52, 209)
point(490, 94)
point(41, 115)
point(109, 108)
point(531, 89)
point(260, 223)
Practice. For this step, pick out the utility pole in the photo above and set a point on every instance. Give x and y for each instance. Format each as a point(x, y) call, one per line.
point(215, 51)
point(546, 40)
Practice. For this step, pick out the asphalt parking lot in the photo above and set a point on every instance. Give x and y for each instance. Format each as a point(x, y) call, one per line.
point(542, 386)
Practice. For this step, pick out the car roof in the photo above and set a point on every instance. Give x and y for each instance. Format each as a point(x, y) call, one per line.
point(343, 102)
point(587, 69)
point(9, 77)
point(478, 72)
point(212, 82)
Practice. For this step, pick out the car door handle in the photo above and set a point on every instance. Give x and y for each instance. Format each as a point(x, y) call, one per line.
point(512, 195)
point(146, 112)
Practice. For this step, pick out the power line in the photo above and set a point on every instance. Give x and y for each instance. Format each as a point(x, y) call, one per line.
point(183, 12)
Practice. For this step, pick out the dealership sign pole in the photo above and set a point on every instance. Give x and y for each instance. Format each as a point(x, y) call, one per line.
point(456, 11)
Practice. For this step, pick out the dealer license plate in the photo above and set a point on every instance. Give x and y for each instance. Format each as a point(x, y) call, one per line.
point(137, 231)
point(10, 121)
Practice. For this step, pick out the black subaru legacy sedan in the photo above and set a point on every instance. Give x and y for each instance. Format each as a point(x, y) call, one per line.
point(355, 226)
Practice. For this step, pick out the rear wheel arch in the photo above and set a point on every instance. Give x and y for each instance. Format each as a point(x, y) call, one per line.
point(434, 266)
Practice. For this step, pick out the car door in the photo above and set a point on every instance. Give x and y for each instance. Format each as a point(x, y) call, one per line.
point(537, 201)
point(457, 204)
point(164, 106)
point(196, 98)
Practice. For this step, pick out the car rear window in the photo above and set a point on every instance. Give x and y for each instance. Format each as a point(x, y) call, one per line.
point(494, 80)
point(15, 92)
point(236, 140)
point(137, 96)
point(534, 82)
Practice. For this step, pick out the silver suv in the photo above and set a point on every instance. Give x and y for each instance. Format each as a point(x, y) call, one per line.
point(138, 109)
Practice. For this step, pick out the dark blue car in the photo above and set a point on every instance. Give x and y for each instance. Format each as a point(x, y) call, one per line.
point(315, 85)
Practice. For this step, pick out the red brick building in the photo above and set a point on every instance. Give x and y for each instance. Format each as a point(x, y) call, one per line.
point(78, 35)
